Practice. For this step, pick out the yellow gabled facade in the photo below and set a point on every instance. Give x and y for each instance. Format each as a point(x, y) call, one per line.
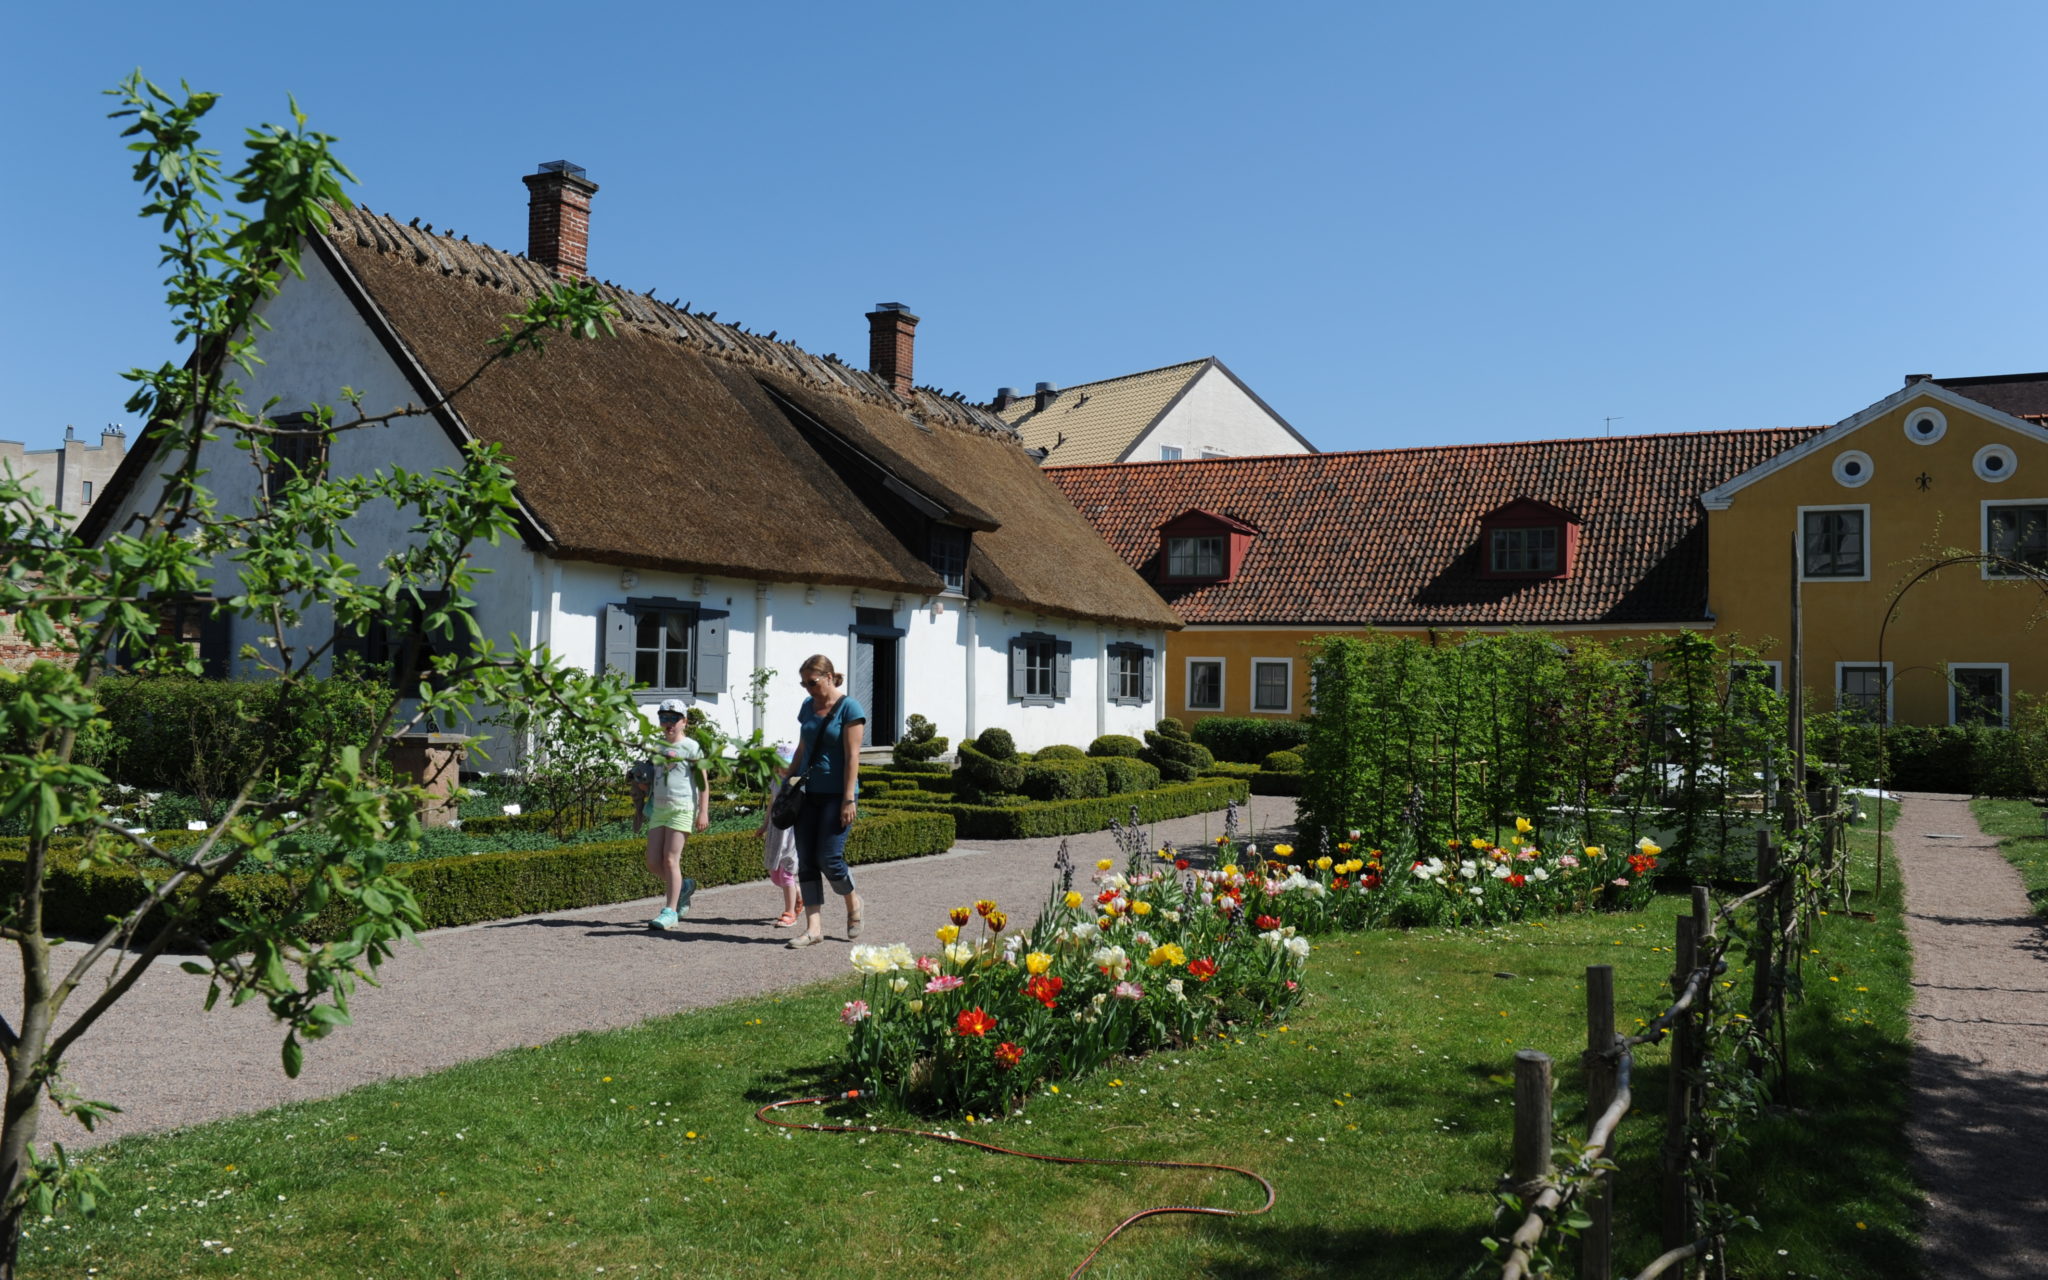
point(1865, 506)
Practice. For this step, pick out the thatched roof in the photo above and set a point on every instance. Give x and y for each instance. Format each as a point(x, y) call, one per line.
point(690, 445)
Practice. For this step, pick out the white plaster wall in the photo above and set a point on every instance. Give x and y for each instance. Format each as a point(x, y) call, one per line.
point(1218, 416)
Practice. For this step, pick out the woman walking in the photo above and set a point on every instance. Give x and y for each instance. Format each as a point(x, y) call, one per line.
point(828, 761)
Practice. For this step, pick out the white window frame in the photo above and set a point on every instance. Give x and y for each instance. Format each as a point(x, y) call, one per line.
point(1286, 710)
point(1984, 533)
point(1187, 689)
point(1889, 687)
point(1169, 453)
point(1799, 531)
point(2004, 670)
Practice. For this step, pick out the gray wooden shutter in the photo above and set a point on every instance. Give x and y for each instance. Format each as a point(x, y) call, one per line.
point(1019, 687)
point(1062, 668)
point(618, 640)
point(1149, 666)
point(711, 651)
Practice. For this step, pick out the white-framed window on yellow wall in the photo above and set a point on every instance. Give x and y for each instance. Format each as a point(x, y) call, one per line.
point(1273, 684)
point(1834, 543)
point(1205, 684)
point(1977, 692)
point(2015, 530)
point(1863, 691)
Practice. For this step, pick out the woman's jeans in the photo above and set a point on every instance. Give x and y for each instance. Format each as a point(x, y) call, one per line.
point(821, 850)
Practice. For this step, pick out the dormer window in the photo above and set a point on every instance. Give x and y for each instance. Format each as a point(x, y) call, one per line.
point(946, 553)
point(1194, 557)
point(1528, 539)
point(1202, 546)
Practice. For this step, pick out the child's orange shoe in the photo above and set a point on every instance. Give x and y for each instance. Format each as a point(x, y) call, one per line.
point(786, 919)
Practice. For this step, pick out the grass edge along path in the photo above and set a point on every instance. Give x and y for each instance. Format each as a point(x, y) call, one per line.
point(2022, 837)
point(1381, 1111)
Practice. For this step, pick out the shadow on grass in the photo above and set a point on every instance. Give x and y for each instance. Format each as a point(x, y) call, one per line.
point(1342, 1249)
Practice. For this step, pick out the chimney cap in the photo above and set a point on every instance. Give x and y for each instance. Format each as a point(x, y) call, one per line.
point(563, 167)
point(891, 306)
point(1912, 378)
point(1009, 392)
point(1045, 386)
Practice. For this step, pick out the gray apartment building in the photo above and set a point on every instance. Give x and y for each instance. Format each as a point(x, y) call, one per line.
point(74, 473)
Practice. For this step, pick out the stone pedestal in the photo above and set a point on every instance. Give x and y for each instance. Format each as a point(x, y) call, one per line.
point(432, 761)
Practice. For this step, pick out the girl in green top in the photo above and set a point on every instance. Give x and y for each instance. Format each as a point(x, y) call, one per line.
point(680, 802)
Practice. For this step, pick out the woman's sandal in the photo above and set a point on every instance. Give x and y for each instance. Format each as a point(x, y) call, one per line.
point(802, 940)
point(852, 924)
point(786, 919)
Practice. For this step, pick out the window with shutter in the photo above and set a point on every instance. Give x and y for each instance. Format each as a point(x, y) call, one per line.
point(667, 645)
point(1040, 666)
point(1130, 675)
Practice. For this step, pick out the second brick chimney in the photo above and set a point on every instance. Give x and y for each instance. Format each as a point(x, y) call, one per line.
point(558, 218)
point(892, 335)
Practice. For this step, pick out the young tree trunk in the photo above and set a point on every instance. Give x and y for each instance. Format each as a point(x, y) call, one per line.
point(24, 1085)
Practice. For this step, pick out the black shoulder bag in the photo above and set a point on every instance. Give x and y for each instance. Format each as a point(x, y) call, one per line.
point(789, 802)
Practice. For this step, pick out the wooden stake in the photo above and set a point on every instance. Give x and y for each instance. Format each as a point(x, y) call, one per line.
point(1532, 1123)
point(1596, 1244)
point(1676, 1198)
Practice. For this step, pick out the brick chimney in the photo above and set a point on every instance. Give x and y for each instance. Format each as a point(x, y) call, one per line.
point(892, 333)
point(558, 218)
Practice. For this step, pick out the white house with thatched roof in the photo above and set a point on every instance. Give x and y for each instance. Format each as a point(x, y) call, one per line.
point(698, 503)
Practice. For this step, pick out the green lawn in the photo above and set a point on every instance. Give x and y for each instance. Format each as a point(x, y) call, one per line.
point(1381, 1112)
point(2022, 839)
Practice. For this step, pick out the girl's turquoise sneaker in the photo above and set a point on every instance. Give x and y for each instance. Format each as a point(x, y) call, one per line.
point(666, 920)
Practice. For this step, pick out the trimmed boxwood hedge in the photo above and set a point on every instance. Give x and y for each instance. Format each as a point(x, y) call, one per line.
point(1071, 817)
point(1263, 782)
point(1125, 774)
point(486, 886)
point(1249, 739)
point(1064, 778)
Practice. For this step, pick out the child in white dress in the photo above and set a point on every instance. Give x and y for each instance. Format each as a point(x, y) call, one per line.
point(779, 846)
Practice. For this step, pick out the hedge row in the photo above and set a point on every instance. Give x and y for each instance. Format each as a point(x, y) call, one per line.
point(1248, 739)
point(1263, 782)
point(1072, 817)
point(486, 886)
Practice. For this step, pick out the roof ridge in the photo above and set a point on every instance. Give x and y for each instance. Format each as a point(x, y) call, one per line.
point(503, 269)
point(1126, 377)
point(1435, 448)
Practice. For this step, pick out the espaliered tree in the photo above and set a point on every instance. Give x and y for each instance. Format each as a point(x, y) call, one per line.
point(230, 241)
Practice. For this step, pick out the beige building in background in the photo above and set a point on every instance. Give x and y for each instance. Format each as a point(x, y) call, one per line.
point(74, 473)
point(1199, 409)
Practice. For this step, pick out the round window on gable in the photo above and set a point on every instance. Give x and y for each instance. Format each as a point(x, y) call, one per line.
point(1925, 426)
point(1852, 468)
point(1995, 462)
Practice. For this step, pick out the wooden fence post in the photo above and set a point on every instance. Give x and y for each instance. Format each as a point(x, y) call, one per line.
point(1596, 1245)
point(1677, 1199)
point(1765, 951)
point(1532, 1166)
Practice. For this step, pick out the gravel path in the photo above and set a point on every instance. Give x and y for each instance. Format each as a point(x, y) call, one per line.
point(480, 989)
point(1980, 1059)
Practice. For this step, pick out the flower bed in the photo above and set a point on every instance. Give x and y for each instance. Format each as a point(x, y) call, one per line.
point(1164, 952)
point(1071, 817)
point(1146, 961)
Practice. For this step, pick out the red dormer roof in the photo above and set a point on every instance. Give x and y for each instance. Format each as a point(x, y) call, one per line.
point(1388, 537)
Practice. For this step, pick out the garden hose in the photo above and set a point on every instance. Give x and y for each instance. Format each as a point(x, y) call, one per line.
point(1271, 1195)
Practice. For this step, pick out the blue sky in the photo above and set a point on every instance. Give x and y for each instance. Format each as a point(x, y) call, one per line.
point(1401, 224)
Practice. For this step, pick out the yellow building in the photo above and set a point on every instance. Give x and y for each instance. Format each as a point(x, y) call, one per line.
point(1617, 538)
point(1861, 509)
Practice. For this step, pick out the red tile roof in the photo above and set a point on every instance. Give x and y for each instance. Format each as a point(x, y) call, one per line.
point(1391, 537)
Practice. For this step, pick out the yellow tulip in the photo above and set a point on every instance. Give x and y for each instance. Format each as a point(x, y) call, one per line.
point(1229, 868)
point(1478, 843)
point(1073, 900)
point(1103, 864)
point(1524, 826)
point(1141, 908)
point(948, 933)
point(1167, 954)
point(1283, 850)
point(1323, 864)
point(1651, 850)
point(960, 915)
point(1037, 962)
